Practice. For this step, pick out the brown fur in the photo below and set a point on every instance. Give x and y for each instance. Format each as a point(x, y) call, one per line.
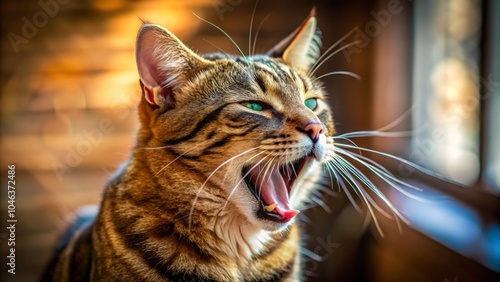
point(178, 210)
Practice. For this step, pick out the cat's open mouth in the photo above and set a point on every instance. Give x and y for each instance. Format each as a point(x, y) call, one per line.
point(272, 186)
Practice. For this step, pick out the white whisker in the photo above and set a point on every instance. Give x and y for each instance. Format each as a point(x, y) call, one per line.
point(210, 176)
point(348, 73)
point(367, 182)
point(382, 172)
point(372, 162)
point(374, 133)
point(220, 49)
point(338, 167)
point(389, 180)
point(156, 148)
point(294, 171)
point(321, 203)
point(179, 156)
point(243, 178)
point(225, 33)
point(397, 121)
point(313, 70)
point(320, 59)
point(257, 33)
point(327, 187)
point(251, 26)
point(330, 176)
point(353, 183)
point(409, 163)
point(382, 131)
point(342, 184)
point(250, 66)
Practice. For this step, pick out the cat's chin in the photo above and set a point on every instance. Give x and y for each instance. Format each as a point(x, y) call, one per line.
point(272, 187)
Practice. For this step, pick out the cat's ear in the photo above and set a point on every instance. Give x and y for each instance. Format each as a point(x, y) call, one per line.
point(164, 63)
point(300, 49)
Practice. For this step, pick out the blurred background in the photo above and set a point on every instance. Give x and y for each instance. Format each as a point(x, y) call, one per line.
point(430, 70)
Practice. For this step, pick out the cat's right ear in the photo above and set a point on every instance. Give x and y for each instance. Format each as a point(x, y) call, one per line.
point(164, 64)
point(301, 49)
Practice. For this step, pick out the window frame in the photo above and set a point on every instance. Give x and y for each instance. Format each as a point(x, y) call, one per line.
point(478, 196)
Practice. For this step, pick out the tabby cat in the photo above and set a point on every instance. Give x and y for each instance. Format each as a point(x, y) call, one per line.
point(228, 150)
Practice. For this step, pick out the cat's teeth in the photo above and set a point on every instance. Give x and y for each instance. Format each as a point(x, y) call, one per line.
point(271, 207)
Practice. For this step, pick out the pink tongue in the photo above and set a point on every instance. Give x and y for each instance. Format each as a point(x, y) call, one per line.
point(273, 190)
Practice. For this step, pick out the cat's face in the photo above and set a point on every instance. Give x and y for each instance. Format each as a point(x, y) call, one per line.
point(253, 128)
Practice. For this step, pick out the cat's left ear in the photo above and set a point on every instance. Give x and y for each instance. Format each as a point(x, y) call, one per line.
point(300, 49)
point(164, 64)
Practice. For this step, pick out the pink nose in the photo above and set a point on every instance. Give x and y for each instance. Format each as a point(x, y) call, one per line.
point(314, 129)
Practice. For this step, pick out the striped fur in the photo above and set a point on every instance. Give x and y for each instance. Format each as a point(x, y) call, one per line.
point(179, 209)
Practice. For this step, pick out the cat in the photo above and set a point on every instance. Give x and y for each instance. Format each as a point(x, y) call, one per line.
point(228, 150)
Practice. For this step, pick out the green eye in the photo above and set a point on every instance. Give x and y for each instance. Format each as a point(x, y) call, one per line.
point(311, 103)
point(253, 106)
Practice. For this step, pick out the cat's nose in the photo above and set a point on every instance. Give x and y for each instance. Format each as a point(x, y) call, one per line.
point(313, 129)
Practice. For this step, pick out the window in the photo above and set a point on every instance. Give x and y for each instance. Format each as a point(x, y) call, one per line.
point(455, 111)
point(491, 94)
point(446, 88)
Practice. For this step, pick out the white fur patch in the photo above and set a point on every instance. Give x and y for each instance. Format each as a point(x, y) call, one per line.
point(243, 241)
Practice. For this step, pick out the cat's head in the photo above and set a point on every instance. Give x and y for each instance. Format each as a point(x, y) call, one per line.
point(250, 129)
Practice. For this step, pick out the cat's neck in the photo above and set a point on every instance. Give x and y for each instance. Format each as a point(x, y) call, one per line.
point(210, 239)
point(168, 197)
